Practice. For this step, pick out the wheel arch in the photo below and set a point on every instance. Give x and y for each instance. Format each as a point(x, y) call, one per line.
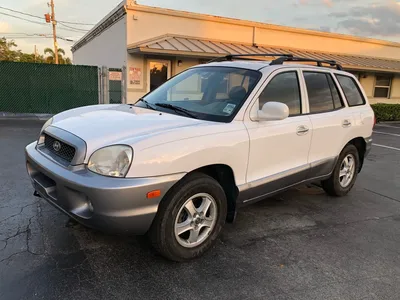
point(225, 176)
point(361, 146)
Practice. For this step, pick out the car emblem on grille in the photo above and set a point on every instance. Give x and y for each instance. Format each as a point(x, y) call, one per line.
point(57, 146)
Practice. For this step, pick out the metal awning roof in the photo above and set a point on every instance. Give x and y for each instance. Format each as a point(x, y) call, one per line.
point(190, 46)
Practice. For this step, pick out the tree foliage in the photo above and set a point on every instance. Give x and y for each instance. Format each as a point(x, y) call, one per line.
point(9, 52)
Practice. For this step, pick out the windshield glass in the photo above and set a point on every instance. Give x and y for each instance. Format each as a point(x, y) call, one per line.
point(208, 93)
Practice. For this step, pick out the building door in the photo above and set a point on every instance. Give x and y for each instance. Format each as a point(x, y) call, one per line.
point(115, 86)
point(159, 72)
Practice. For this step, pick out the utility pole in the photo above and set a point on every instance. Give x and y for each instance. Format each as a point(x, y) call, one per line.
point(54, 22)
point(35, 53)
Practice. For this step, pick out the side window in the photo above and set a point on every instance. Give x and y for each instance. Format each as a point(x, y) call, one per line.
point(319, 92)
point(283, 88)
point(337, 100)
point(351, 91)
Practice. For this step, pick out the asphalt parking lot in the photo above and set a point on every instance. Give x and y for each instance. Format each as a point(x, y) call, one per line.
point(299, 245)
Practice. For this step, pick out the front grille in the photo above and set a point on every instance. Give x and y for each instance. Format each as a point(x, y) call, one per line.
point(59, 148)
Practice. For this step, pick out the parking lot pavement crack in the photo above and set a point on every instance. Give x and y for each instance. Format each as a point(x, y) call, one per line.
point(20, 212)
point(11, 256)
point(28, 237)
point(19, 232)
point(379, 194)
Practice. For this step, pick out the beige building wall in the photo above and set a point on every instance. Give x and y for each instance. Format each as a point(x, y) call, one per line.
point(395, 93)
point(145, 23)
point(368, 85)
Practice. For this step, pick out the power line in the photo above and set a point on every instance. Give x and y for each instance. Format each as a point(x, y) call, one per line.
point(73, 28)
point(20, 12)
point(16, 35)
point(76, 23)
point(35, 16)
point(22, 18)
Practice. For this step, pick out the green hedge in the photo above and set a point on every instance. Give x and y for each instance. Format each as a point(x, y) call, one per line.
point(386, 112)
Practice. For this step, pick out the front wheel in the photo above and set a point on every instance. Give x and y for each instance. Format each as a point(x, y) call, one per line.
point(189, 218)
point(345, 173)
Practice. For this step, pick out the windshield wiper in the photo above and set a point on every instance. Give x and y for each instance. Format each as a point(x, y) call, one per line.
point(177, 109)
point(148, 105)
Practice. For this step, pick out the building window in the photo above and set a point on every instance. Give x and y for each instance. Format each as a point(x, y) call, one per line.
point(382, 86)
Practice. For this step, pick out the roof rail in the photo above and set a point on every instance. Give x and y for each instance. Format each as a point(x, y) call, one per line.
point(232, 56)
point(281, 60)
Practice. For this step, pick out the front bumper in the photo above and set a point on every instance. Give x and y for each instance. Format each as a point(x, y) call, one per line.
point(116, 205)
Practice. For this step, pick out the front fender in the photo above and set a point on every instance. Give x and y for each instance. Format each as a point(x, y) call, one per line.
point(183, 156)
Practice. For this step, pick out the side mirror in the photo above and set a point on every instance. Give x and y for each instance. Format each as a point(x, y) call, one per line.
point(273, 111)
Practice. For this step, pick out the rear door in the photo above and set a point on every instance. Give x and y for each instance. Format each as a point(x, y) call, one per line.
point(356, 100)
point(331, 121)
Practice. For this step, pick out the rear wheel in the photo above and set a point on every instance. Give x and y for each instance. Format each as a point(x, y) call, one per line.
point(345, 173)
point(189, 218)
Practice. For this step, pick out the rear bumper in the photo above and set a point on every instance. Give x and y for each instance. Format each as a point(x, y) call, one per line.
point(368, 145)
point(116, 205)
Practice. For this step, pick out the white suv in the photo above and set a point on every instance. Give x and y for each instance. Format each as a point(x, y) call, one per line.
point(184, 158)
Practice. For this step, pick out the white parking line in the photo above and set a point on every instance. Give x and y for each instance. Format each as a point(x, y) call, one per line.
point(385, 133)
point(388, 126)
point(387, 147)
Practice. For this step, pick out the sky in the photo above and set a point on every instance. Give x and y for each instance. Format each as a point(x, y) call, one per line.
point(368, 18)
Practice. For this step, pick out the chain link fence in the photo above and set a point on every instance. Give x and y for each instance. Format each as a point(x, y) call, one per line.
point(45, 88)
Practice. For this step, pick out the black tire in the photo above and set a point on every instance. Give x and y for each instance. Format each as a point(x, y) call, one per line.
point(162, 234)
point(332, 185)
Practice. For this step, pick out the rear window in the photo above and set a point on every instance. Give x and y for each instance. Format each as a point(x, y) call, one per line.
point(351, 90)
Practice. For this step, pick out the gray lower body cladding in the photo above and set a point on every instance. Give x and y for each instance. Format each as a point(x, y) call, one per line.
point(115, 205)
point(270, 185)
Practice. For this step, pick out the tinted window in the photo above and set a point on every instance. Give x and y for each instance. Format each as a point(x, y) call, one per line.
point(283, 88)
point(351, 91)
point(319, 92)
point(337, 100)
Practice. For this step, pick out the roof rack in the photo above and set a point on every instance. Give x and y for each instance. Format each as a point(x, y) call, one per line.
point(232, 56)
point(281, 60)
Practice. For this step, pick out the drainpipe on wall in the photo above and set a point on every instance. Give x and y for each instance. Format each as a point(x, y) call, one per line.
point(254, 36)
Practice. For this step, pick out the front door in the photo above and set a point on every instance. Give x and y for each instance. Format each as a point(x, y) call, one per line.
point(159, 72)
point(278, 149)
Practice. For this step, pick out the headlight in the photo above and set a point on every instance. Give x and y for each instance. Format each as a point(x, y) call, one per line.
point(47, 124)
point(111, 161)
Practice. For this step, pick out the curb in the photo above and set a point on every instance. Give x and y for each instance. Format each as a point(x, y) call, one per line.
point(25, 117)
point(388, 122)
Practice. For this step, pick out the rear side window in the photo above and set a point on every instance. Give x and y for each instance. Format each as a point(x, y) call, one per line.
point(320, 95)
point(351, 90)
point(337, 100)
point(283, 88)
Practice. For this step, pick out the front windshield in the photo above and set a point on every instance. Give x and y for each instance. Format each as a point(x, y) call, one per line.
point(208, 93)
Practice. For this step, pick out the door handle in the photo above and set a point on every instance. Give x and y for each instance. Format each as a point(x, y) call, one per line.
point(302, 130)
point(346, 123)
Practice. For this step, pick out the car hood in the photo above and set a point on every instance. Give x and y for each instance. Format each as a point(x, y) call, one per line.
point(120, 123)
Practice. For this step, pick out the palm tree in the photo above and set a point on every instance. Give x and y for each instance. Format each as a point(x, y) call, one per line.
point(51, 57)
